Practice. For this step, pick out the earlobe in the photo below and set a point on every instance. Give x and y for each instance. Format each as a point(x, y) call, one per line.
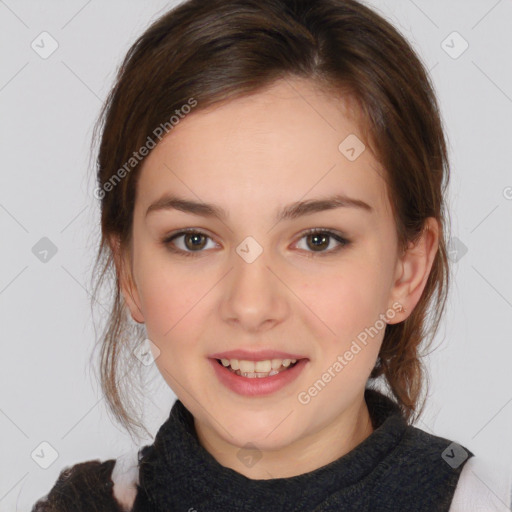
point(416, 264)
point(126, 283)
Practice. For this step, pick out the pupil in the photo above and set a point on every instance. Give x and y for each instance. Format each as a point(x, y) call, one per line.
point(195, 237)
point(321, 237)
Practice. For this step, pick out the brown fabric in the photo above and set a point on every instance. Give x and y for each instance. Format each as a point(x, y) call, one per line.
point(84, 487)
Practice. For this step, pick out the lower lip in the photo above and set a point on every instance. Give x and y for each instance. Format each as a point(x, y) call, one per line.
point(257, 386)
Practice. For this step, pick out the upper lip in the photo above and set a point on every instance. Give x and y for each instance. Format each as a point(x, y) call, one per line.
point(260, 355)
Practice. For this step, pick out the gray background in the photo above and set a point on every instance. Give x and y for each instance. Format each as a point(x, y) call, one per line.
point(49, 392)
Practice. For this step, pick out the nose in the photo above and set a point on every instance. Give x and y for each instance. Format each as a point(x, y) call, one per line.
point(254, 298)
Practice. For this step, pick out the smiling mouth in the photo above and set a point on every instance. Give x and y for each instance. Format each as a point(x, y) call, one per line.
point(257, 369)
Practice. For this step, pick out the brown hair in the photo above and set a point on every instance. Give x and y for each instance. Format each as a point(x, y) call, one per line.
point(223, 49)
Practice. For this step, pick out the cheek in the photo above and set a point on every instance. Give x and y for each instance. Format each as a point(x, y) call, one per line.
point(344, 309)
point(344, 297)
point(172, 310)
point(170, 296)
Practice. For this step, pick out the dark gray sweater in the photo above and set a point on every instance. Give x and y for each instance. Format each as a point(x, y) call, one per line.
point(397, 468)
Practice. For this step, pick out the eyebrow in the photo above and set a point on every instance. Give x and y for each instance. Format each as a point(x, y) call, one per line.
point(289, 212)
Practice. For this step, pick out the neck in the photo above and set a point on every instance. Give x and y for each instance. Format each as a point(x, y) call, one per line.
point(303, 455)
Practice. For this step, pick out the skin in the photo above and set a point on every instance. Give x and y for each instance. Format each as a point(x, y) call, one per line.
point(252, 156)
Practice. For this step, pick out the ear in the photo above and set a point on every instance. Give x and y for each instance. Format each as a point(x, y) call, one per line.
point(126, 282)
point(413, 269)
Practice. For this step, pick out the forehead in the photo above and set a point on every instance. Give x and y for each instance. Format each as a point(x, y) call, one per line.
point(277, 146)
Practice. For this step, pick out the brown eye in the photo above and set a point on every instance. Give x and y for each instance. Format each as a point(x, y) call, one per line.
point(187, 242)
point(194, 241)
point(318, 242)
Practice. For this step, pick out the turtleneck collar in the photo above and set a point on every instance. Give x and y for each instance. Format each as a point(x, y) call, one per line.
point(177, 469)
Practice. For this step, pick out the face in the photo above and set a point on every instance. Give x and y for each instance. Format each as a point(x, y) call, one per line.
point(253, 280)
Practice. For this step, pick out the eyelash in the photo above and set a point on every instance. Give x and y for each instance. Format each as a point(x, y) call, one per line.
point(344, 242)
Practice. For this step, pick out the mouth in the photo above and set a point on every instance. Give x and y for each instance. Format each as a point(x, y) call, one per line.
point(257, 369)
point(258, 378)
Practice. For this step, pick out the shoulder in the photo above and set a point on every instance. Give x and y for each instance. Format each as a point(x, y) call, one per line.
point(434, 450)
point(422, 466)
point(110, 485)
point(479, 483)
point(483, 485)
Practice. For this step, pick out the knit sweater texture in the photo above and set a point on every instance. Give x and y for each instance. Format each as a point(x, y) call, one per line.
point(398, 467)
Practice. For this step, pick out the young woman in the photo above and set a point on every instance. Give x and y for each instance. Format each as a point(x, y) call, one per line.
point(272, 177)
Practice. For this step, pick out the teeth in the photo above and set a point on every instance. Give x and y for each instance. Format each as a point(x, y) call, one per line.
point(276, 363)
point(246, 366)
point(265, 368)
